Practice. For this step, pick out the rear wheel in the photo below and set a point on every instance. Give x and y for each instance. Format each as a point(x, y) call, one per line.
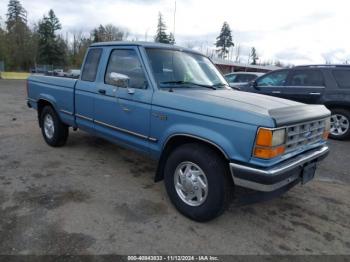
point(198, 182)
point(340, 124)
point(53, 130)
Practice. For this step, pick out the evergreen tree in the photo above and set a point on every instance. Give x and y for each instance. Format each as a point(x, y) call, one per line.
point(161, 35)
point(224, 40)
point(17, 37)
point(108, 33)
point(16, 15)
point(171, 39)
point(2, 44)
point(254, 56)
point(98, 34)
point(52, 49)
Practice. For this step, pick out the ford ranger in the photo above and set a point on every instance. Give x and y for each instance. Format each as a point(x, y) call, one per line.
point(172, 104)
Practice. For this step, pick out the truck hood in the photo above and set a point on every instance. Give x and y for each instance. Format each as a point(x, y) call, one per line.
point(239, 106)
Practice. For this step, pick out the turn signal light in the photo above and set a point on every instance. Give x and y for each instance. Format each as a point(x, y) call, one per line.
point(267, 153)
point(327, 129)
point(325, 135)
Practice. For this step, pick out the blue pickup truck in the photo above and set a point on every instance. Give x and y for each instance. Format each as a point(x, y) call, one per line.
point(172, 104)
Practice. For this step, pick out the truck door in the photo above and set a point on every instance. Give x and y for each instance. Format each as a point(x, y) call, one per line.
point(305, 85)
point(84, 90)
point(122, 110)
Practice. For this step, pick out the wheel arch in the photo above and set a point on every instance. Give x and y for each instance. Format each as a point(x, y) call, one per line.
point(176, 140)
point(338, 105)
point(41, 103)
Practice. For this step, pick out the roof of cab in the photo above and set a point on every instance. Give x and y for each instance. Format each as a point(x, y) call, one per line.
point(145, 44)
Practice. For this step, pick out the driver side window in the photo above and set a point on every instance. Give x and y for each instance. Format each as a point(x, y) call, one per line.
point(126, 62)
point(277, 78)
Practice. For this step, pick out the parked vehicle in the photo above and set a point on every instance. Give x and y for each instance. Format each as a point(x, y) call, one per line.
point(172, 104)
point(239, 79)
point(58, 72)
point(73, 73)
point(315, 84)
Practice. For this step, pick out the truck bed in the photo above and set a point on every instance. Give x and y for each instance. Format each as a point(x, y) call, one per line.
point(57, 90)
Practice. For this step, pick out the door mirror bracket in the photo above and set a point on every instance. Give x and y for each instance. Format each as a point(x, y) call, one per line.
point(254, 84)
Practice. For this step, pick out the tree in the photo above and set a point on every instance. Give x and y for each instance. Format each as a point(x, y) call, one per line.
point(238, 54)
point(98, 34)
point(18, 35)
point(253, 55)
point(171, 39)
point(78, 48)
point(16, 15)
point(224, 40)
point(52, 48)
point(108, 33)
point(161, 35)
point(3, 45)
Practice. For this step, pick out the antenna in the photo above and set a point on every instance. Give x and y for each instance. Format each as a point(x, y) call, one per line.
point(174, 19)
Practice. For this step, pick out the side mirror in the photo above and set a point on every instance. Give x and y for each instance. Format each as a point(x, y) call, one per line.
point(254, 84)
point(119, 80)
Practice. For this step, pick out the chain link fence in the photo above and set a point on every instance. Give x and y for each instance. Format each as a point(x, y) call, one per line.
point(43, 69)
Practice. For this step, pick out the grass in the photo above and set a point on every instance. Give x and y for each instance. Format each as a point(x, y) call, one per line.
point(14, 75)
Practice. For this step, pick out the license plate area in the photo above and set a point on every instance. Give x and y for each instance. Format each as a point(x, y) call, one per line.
point(308, 172)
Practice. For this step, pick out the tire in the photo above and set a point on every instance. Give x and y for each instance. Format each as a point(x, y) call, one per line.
point(55, 132)
point(340, 124)
point(216, 175)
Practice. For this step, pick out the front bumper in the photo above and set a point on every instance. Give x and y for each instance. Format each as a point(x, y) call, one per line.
point(276, 177)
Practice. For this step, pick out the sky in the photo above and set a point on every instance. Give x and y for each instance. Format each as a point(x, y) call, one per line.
point(294, 32)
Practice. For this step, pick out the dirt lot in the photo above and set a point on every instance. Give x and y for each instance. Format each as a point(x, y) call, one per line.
point(93, 197)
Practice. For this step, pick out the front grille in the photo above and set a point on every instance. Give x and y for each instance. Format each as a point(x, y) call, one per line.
point(304, 134)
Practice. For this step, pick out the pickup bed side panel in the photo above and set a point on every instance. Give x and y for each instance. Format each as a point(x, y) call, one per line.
point(57, 91)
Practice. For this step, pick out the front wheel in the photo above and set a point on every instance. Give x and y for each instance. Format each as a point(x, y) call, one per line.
point(198, 182)
point(340, 124)
point(53, 130)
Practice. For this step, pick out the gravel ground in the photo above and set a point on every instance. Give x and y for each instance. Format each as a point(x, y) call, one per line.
point(93, 197)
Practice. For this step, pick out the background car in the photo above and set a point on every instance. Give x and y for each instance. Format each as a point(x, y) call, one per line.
point(58, 72)
point(312, 84)
point(73, 73)
point(238, 79)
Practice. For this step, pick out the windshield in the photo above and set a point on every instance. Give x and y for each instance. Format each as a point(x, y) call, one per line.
point(171, 67)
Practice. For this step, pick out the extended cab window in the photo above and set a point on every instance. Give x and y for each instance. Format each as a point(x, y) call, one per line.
point(91, 65)
point(126, 62)
point(306, 78)
point(342, 77)
point(277, 78)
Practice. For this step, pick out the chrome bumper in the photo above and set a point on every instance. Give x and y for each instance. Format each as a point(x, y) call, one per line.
point(273, 178)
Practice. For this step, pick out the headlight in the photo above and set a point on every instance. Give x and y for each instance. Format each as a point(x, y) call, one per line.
point(270, 143)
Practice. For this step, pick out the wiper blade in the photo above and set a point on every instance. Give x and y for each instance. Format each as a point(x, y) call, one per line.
point(220, 85)
point(180, 82)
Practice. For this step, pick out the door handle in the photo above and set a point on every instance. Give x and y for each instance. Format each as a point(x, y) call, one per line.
point(102, 91)
point(131, 91)
point(276, 92)
point(315, 93)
